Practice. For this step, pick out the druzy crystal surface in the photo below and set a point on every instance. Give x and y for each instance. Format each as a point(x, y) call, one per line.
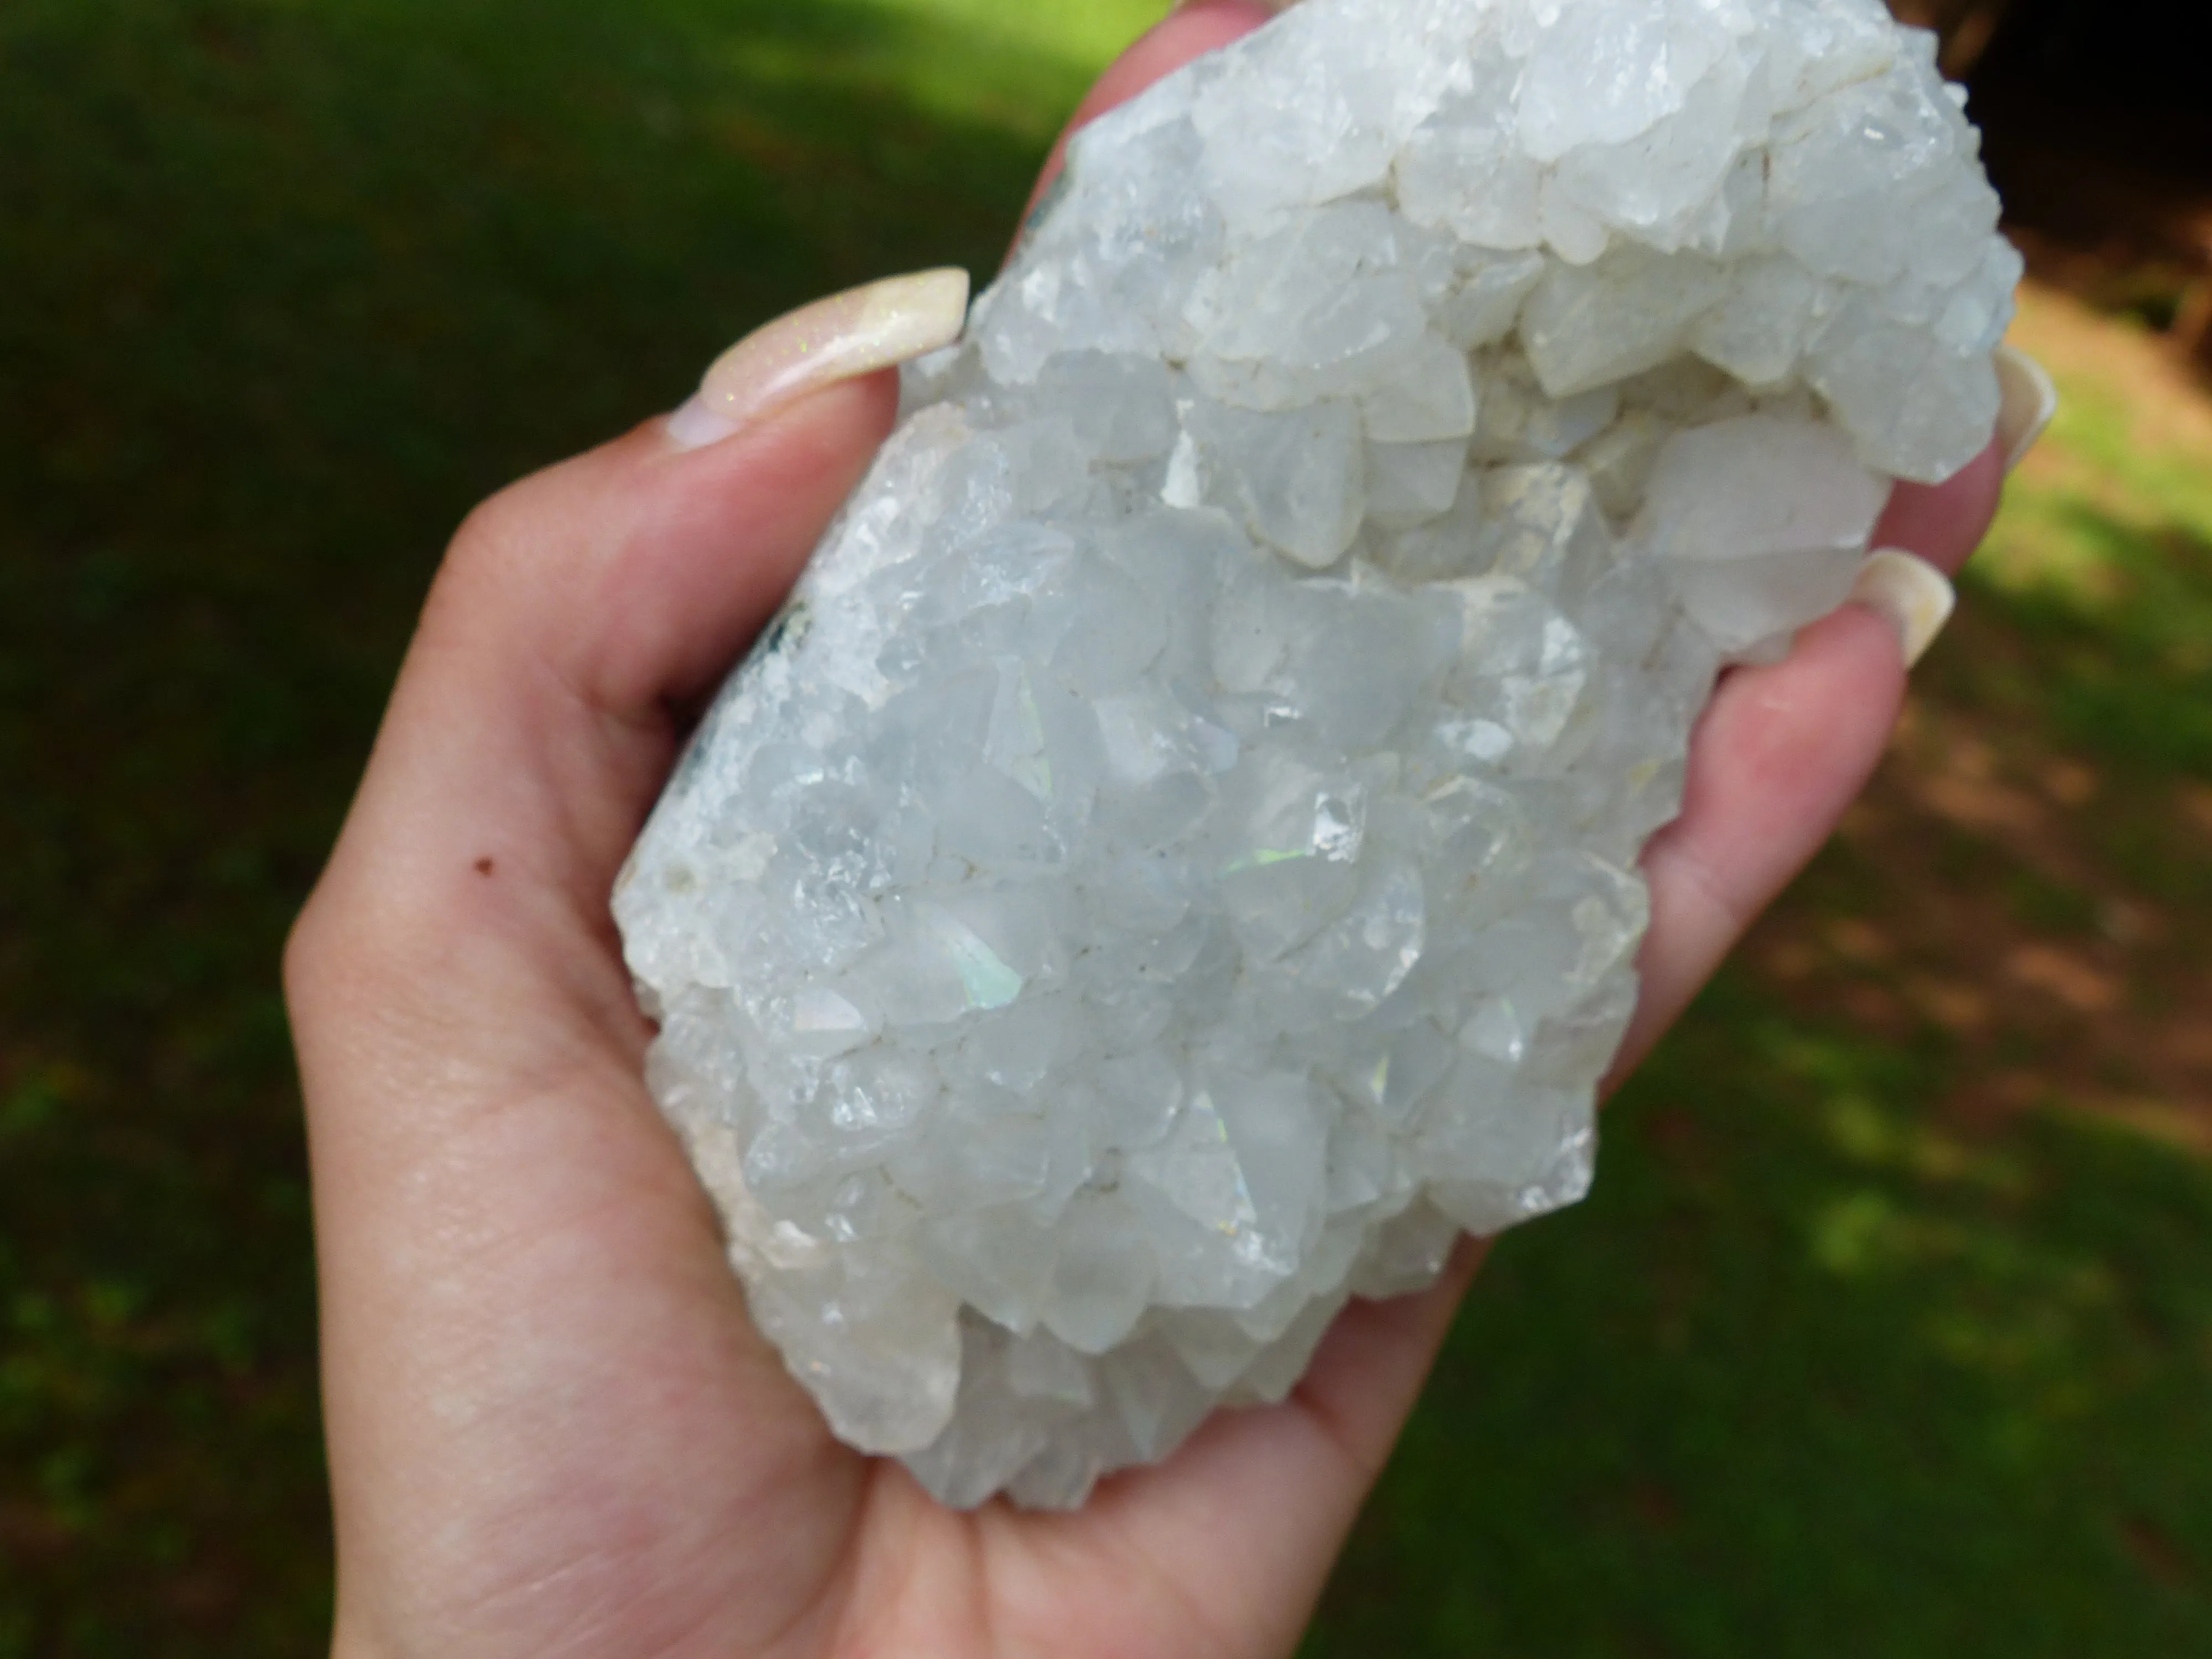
point(1173, 866)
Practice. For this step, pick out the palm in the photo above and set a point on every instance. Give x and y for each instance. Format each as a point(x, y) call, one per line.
point(617, 1463)
point(553, 1430)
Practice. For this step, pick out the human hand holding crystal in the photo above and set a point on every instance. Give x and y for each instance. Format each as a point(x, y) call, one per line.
point(553, 1429)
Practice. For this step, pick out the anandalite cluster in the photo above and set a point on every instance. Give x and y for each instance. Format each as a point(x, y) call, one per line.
point(1173, 866)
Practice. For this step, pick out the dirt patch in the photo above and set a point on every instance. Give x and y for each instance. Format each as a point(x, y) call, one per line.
point(1998, 891)
point(1967, 902)
point(2168, 405)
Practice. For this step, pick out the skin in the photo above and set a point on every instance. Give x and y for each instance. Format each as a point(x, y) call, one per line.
point(553, 1432)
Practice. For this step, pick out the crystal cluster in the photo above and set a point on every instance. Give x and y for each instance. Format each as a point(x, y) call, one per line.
point(1173, 866)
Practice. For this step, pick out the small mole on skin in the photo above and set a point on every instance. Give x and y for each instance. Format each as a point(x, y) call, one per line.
point(483, 867)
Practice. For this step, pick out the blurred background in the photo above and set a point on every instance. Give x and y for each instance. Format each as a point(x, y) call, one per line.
point(1889, 1329)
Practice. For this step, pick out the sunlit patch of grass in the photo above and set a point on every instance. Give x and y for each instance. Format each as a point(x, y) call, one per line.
point(2105, 542)
point(1023, 66)
point(2103, 556)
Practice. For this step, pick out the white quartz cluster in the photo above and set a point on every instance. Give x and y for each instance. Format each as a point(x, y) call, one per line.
point(1173, 866)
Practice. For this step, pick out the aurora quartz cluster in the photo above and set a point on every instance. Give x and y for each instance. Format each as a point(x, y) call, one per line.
point(1173, 868)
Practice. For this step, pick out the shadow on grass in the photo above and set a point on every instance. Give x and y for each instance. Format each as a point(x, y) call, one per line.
point(288, 288)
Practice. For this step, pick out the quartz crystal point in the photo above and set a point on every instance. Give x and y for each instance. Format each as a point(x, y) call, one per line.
point(1173, 866)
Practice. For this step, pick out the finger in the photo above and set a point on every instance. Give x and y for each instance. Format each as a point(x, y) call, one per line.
point(1266, 1496)
point(534, 716)
point(1779, 756)
point(1944, 523)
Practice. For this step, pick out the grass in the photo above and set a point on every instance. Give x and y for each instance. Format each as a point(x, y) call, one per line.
point(1884, 1331)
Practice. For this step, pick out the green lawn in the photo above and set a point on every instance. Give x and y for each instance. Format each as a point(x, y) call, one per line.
point(1886, 1331)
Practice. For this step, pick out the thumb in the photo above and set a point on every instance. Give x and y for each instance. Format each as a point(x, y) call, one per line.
point(511, 1256)
point(582, 612)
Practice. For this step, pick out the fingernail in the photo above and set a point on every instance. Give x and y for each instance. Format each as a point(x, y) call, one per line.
point(694, 425)
point(839, 338)
point(2030, 399)
point(1912, 595)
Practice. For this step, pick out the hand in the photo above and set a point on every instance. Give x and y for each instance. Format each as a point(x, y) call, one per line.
point(552, 1430)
